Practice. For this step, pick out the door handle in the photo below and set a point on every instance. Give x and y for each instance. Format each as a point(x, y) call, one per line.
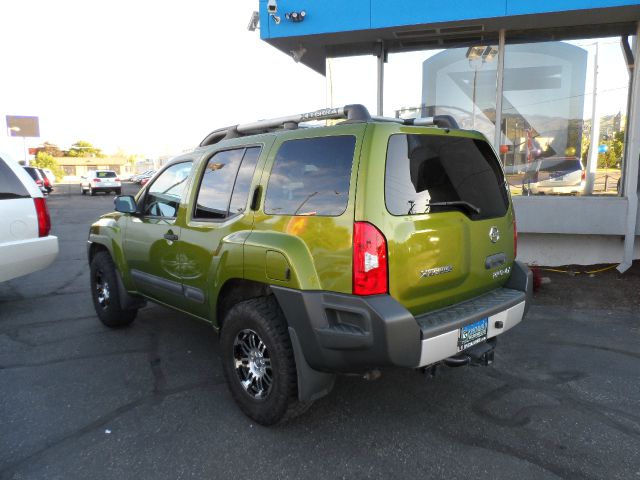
point(171, 236)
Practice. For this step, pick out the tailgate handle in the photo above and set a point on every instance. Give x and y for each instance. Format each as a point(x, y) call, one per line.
point(172, 237)
point(493, 261)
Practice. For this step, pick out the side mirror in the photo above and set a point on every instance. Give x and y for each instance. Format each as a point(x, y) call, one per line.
point(125, 204)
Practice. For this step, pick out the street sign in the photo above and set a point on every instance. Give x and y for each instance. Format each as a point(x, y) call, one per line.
point(20, 126)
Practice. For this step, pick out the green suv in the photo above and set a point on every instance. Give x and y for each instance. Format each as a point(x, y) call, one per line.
point(319, 251)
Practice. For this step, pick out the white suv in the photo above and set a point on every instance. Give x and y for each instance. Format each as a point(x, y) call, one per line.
point(25, 243)
point(101, 181)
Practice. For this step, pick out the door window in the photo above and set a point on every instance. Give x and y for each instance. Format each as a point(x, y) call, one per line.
point(164, 194)
point(225, 184)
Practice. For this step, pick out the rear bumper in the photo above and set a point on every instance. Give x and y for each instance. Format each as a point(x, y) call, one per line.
point(340, 332)
point(560, 189)
point(26, 256)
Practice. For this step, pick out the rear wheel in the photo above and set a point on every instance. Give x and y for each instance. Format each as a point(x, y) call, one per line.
point(91, 192)
point(104, 291)
point(118, 191)
point(82, 190)
point(258, 363)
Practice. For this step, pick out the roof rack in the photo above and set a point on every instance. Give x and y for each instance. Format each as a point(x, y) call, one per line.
point(351, 113)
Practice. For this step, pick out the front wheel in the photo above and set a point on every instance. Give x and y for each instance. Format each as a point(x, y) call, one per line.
point(104, 291)
point(258, 362)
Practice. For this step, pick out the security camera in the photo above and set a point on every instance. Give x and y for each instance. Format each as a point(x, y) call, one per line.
point(272, 7)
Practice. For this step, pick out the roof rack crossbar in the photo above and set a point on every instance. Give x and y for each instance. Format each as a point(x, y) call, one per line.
point(354, 113)
point(349, 112)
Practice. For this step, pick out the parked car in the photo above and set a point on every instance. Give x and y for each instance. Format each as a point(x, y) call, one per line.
point(556, 175)
point(38, 178)
point(101, 181)
point(47, 182)
point(25, 243)
point(50, 175)
point(319, 251)
point(144, 177)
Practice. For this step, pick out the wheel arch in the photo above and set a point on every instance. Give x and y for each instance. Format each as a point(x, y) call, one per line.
point(234, 291)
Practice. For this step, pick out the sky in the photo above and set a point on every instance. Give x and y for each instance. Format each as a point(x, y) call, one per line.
point(154, 77)
point(148, 77)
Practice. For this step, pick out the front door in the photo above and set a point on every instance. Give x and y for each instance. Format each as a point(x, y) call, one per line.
point(151, 238)
point(218, 209)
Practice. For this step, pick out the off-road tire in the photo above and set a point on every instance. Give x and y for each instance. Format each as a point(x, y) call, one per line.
point(263, 316)
point(103, 273)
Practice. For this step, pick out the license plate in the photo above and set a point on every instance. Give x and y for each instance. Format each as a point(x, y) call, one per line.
point(473, 334)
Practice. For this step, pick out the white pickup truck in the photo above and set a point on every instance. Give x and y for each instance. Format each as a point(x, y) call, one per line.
point(25, 243)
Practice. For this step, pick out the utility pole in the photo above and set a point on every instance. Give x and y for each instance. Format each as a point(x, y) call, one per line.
point(592, 159)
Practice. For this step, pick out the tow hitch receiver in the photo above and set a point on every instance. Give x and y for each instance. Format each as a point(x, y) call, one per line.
point(480, 354)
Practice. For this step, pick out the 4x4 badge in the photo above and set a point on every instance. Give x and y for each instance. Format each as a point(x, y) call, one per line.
point(494, 234)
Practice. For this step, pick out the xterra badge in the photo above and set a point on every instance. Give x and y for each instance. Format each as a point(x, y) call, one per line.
point(432, 272)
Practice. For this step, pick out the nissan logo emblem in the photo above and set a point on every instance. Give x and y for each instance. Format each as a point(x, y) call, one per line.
point(494, 234)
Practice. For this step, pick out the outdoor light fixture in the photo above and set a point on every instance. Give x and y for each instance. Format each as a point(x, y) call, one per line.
point(296, 17)
point(297, 54)
point(254, 22)
point(482, 52)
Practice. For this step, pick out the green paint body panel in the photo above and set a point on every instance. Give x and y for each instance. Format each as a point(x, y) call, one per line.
point(308, 252)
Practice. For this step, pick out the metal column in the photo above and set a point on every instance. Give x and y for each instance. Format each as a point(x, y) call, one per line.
point(632, 159)
point(500, 84)
point(382, 54)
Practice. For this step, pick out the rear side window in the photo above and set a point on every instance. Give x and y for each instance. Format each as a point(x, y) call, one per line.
point(560, 165)
point(311, 177)
point(33, 173)
point(224, 188)
point(423, 172)
point(106, 174)
point(10, 184)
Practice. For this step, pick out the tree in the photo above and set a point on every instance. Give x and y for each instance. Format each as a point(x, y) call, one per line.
point(615, 148)
point(84, 149)
point(50, 149)
point(44, 160)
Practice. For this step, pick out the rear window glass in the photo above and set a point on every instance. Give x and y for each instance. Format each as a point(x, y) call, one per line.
point(10, 184)
point(106, 174)
point(311, 177)
point(560, 165)
point(424, 173)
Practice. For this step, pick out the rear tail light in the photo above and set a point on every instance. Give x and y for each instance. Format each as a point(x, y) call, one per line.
point(44, 221)
point(39, 182)
point(584, 175)
point(47, 183)
point(117, 179)
point(369, 260)
point(96, 180)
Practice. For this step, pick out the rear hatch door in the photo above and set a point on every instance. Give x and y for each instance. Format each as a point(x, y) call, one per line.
point(447, 219)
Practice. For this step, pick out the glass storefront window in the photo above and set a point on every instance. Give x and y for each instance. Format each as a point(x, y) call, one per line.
point(548, 117)
point(460, 82)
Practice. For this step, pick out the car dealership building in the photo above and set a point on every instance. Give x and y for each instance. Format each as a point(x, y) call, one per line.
point(539, 79)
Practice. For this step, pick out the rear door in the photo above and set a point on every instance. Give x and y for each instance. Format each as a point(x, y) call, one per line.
point(218, 208)
point(446, 218)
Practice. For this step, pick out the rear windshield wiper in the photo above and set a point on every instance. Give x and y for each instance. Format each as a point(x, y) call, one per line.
point(456, 203)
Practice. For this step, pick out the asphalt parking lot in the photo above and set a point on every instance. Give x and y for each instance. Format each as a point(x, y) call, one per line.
point(81, 401)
